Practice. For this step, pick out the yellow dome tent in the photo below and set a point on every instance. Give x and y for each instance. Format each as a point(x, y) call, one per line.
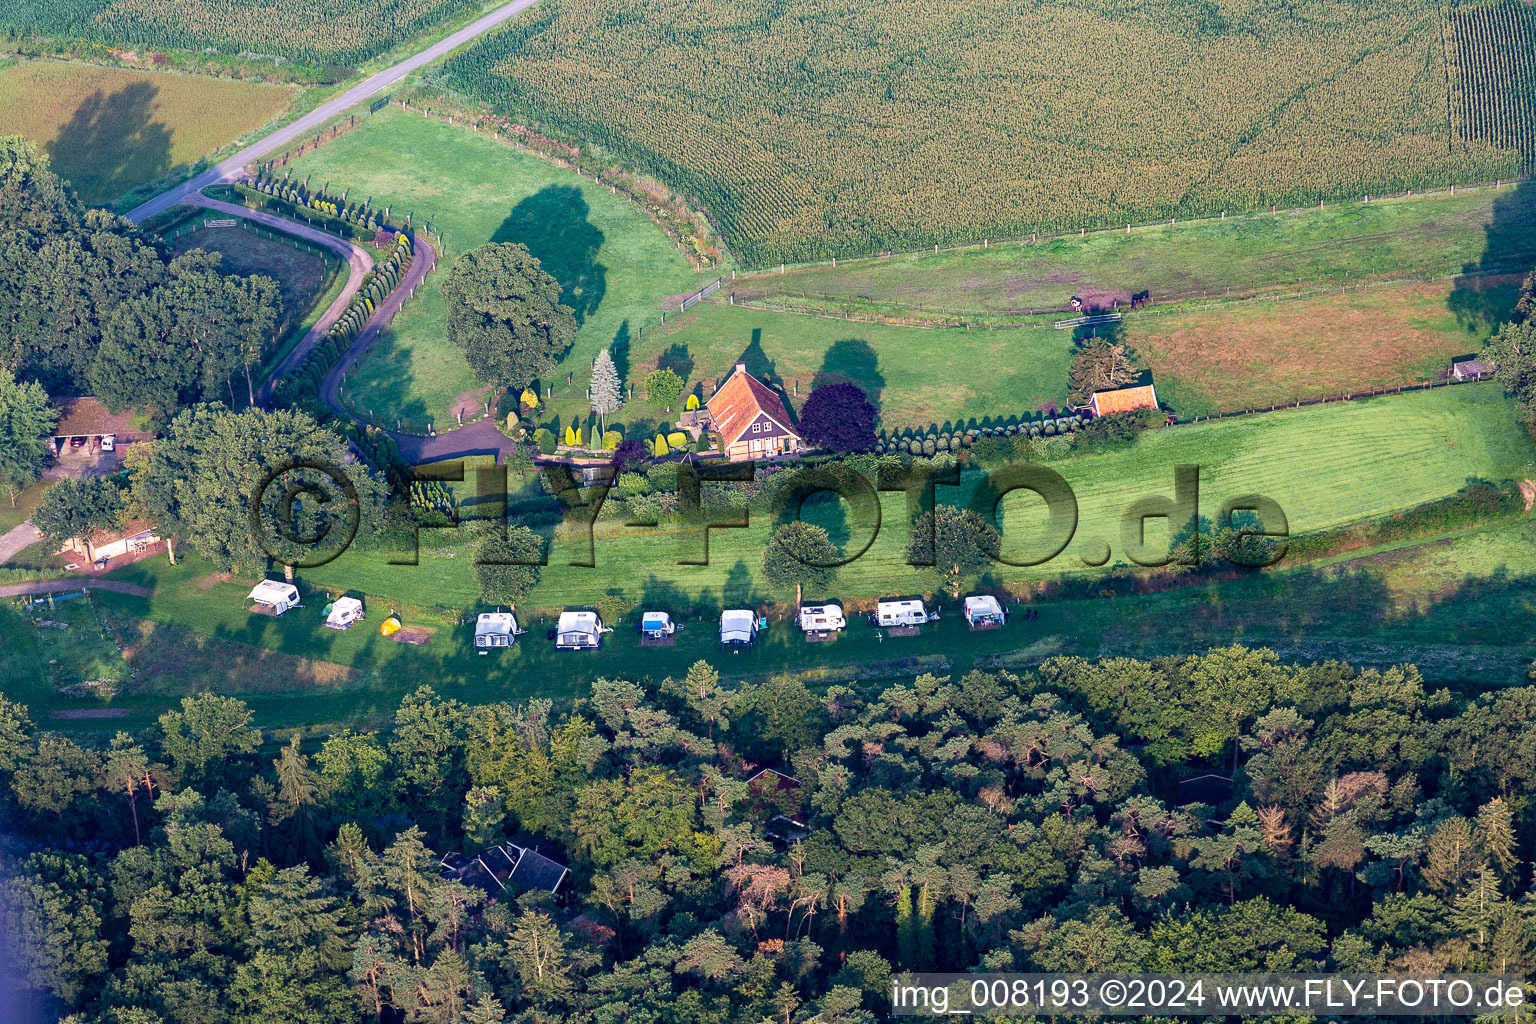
point(389, 627)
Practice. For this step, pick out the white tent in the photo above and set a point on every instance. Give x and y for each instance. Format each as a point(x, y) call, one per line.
point(344, 612)
point(579, 631)
point(982, 610)
point(738, 627)
point(274, 597)
point(822, 618)
point(496, 629)
point(901, 613)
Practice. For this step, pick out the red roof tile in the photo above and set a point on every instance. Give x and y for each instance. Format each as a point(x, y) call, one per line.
point(739, 401)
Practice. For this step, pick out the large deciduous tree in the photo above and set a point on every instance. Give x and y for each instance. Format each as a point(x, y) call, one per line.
point(839, 418)
point(956, 542)
point(800, 555)
point(75, 508)
point(26, 422)
point(663, 387)
point(1512, 350)
point(505, 315)
point(199, 480)
point(506, 565)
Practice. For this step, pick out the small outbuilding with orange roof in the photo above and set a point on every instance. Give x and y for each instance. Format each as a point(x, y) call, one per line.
point(1107, 403)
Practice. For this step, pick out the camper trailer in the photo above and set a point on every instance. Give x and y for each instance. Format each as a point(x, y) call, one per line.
point(273, 598)
point(895, 613)
point(496, 629)
point(341, 613)
point(655, 625)
point(982, 611)
point(822, 618)
point(738, 628)
point(579, 631)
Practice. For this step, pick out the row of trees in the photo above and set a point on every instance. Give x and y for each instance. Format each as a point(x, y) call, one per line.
point(193, 873)
point(92, 306)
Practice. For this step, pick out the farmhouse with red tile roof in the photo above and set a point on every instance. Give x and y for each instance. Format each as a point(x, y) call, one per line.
point(751, 419)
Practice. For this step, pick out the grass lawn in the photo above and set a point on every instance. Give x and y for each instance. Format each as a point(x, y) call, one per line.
point(1259, 353)
point(109, 130)
point(26, 501)
point(1325, 465)
point(914, 375)
point(302, 272)
point(1483, 229)
point(612, 261)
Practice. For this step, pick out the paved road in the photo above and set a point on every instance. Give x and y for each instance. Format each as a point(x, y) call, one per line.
point(423, 259)
point(17, 540)
point(358, 265)
point(228, 169)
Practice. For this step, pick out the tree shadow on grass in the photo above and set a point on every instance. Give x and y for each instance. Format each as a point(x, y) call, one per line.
point(111, 144)
point(553, 224)
point(852, 360)
point(1509, 247)
point(386, 397)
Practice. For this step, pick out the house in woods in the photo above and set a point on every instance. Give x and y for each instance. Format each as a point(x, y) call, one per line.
point(105, 546)
point(771, 782)
point(751, 418)
point(1107, 403)
point(1470, 369)
point(521, 864)
point(784, 831)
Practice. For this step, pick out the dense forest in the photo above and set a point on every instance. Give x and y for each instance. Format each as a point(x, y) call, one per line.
point(1216, 812)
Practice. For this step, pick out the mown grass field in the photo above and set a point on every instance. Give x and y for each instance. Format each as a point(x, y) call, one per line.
point(108, 131)
point(1485, 229)
point(612, 261)
point(914, 375)
point(810, 130)
point(1462, 606)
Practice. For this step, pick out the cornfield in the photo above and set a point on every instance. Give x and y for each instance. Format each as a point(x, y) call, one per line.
point(324, 31)
point(809, 129)
point(1494, 75)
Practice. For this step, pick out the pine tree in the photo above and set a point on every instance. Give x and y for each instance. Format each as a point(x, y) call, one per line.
point(1477, 907)
point(906, 928)
point(607, 393)
point(1496, 833)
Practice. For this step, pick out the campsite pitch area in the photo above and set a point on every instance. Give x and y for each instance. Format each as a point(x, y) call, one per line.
point(613, 263)
point(109, 131)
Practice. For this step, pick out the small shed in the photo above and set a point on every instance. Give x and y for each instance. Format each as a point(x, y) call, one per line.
point(579, 631)
point(1107, 403)
point(272, 597)
point(1470, 369)
point(496, 629)
point(983, 611)
point(738, 628)
point(341, 613)
point(902, 612)
point(822, 618)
